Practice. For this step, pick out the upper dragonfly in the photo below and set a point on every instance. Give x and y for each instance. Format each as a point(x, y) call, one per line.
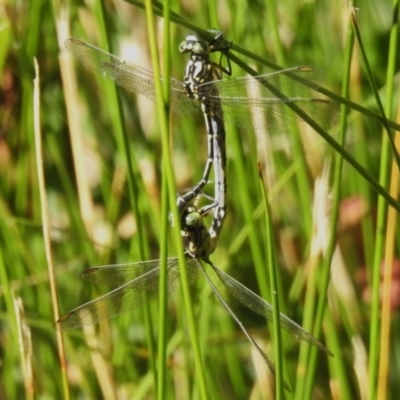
point(187, 96)
point(242, 99)
point(251, 102)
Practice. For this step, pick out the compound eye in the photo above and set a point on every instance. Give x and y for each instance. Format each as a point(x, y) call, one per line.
point(183, 48)
point(198, 48)
point(192, 219)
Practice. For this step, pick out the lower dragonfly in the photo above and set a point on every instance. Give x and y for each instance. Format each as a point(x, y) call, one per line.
point(138, 283)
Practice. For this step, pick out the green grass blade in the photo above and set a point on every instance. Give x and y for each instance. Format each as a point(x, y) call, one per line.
point(271, 261)
point(201, 380)
point(163, 301)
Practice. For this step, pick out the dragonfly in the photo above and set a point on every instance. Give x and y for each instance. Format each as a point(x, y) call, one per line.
point(201, 71)
point(138, 283)
point(186, 95)
point(249, 102)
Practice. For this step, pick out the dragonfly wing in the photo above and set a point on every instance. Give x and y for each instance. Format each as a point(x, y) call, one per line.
point(181, 104)
point(121, 300)
point(260, 306)
point(261, 101)
point(131, 77)
point(119, 274)
point(237, 320)
point(125, 298)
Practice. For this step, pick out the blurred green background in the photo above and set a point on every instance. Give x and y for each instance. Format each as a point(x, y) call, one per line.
point(93, 223)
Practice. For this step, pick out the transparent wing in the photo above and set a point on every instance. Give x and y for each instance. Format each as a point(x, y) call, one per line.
point(119, 274)
point(131, 77)
point(251, 102)
point(241, 326)
point(129, 296)
point(261, 101)
point(260, 306)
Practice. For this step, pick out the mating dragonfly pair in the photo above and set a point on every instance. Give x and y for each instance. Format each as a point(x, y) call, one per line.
point(239, 101)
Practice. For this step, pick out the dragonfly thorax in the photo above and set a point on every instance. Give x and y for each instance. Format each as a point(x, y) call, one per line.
point(199, 68)
point(198, 71)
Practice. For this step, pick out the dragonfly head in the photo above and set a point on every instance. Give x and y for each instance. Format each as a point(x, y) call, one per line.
point(193, 218)
point(195, 45)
